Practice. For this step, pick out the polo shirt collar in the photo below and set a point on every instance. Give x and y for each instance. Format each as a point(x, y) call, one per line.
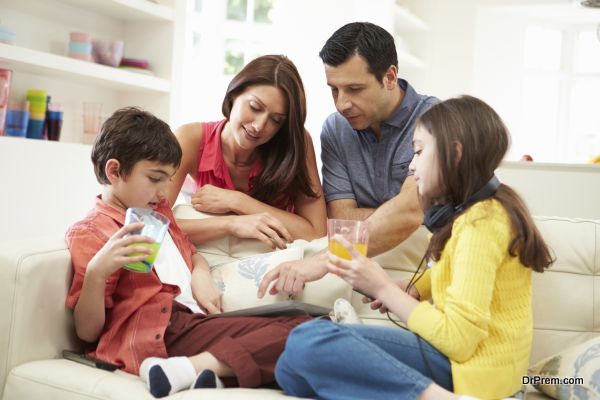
point(402, 114)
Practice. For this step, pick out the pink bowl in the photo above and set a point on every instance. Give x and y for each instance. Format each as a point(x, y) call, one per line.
point(107, 52)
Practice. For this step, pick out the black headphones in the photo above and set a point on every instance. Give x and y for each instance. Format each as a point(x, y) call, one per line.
point(439, 215)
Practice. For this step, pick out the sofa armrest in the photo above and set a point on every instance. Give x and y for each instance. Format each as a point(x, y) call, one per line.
point(34, 322)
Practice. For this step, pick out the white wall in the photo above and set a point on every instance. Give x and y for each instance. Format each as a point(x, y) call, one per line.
point(45, 187)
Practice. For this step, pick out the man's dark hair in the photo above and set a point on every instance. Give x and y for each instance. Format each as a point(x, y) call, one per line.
point(131, 135)
point(365, 39)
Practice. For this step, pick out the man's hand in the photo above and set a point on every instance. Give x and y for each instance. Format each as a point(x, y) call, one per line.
point(291, 276)
point(263, 227)
point(402, 284)
point(117, 251)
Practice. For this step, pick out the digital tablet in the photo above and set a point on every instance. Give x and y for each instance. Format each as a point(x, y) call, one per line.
point(288, 307)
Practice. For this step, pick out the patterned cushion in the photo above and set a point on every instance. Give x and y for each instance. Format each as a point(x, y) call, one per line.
point(239, 280)
point(576, 372)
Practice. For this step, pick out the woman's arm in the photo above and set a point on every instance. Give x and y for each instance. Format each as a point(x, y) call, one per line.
point(189, 137)
point(310, 220)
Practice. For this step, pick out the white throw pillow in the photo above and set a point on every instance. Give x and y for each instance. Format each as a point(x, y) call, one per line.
point(239, 280)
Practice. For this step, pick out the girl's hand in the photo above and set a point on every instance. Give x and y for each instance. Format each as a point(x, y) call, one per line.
point(377, 304)
point(361, 272)
point(263, 227)
point(212, 199)
point(117, 251)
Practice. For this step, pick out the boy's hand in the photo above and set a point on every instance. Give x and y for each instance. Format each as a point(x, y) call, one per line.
point(115, 253)
point(207, 295)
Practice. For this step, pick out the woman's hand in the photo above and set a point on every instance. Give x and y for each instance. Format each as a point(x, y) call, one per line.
point(377, 304)
point(361, 272)
point(263, 227)
point(212, 199)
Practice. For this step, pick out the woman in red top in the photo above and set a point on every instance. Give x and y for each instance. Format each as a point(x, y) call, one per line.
point(257, 166)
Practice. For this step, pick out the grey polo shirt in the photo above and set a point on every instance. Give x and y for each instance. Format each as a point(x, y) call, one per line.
point(357, 166)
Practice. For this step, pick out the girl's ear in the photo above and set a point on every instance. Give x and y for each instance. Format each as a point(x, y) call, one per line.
point(458, 150)
point(390, 79)
point(112, 170)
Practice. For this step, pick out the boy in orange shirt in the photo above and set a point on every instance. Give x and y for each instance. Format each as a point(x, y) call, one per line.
point(155, 324)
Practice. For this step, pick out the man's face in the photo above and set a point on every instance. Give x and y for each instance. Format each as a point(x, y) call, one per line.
point(357, 94)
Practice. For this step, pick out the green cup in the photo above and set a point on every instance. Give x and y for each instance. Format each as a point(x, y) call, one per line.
point(156, 227)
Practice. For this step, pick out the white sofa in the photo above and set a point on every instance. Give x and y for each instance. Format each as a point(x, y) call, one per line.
point(35, 326)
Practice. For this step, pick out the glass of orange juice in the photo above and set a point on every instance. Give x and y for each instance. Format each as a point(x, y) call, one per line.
point(356, 232)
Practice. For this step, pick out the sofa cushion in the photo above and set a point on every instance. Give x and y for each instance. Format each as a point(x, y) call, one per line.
point(239, 280)
point(581, 361)
point(54, 379)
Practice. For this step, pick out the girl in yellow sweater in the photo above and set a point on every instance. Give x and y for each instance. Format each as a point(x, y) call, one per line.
point(474, 337)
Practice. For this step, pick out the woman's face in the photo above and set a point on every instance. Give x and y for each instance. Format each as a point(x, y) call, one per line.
point(257, 115)
point(425, 164)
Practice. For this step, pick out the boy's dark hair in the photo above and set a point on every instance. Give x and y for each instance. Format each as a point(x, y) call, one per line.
point(365, 39)
point(131, 135)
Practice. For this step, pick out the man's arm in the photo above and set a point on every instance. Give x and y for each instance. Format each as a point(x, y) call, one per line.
point(391, 223)
point(347, 209)
point(395, 220)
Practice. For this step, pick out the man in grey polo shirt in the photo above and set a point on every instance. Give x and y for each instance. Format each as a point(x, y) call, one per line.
point(366, 147)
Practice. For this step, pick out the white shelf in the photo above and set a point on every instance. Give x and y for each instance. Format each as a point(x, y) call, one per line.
point(38, 62)
point(407, 21)
point(126, 10)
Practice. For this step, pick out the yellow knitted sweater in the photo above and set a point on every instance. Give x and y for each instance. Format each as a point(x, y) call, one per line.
point(481, 313)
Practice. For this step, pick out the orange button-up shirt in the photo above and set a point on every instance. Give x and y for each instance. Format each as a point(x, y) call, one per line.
point(138, 305)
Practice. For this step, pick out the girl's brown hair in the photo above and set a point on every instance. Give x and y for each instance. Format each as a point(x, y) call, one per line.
point(284, 171)
point(472, 124)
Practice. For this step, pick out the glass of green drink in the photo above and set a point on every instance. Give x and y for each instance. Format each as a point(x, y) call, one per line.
point(156, 226)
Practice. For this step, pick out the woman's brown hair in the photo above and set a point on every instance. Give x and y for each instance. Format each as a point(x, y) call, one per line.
point(284, 171)
point(484, 139)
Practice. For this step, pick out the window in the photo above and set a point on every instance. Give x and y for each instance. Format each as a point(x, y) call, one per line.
point(560, 93)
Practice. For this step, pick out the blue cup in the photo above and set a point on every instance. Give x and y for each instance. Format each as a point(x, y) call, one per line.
point(17, 122)
point(35, 130)
point(54, 121)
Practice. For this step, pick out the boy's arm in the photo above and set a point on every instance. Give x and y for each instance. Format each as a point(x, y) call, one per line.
point(203, 288)
point(89, 311)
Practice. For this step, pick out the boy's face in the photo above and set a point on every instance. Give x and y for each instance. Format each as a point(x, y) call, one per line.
point(145, 186)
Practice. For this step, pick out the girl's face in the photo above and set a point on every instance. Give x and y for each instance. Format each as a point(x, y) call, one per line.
point(257, 115)
point(425, 164)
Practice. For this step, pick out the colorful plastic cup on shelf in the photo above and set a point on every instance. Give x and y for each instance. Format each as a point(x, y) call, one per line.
point(82, 37)
point(17, 122)
point(107, 52)
point(156, 226)
point(35, 128)
point(54, 120)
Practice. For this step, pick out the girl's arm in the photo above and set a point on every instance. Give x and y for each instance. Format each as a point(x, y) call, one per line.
point(309, 220)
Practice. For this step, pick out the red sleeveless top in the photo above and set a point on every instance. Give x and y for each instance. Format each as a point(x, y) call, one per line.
point(212, 168)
